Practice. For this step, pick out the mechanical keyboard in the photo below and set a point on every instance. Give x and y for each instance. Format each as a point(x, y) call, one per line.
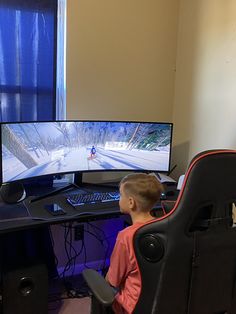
point(80, 199)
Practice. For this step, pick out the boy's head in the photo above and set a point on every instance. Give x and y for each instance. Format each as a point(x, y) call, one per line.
point(140, 191)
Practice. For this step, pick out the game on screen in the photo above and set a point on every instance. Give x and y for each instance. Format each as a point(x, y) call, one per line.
point(41, 148)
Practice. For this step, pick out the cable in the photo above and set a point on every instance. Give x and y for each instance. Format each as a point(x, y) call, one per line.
point(101, 240)
point(72, 254)
point(172, 169)
point(53, 245)
point(96, 227)
point(70, 257)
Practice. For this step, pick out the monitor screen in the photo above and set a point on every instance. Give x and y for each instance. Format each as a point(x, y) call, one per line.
point(32, 149)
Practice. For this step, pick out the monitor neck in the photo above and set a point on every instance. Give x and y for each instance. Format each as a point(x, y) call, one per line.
point(78, 178)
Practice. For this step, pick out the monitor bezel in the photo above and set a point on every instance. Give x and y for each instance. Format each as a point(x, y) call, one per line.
point(85, 171)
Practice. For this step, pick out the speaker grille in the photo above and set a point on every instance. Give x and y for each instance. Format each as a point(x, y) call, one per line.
point(25, 290)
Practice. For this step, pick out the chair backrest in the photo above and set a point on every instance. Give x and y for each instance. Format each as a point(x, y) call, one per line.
point(187, 259)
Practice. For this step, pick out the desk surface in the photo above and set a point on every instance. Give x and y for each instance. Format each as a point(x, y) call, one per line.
point(24, 215)
point(14, 217)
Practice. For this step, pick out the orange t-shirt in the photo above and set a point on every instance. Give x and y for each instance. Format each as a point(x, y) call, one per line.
point(124, 273)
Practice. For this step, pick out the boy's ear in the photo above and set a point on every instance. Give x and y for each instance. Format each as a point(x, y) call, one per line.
point(131, 202)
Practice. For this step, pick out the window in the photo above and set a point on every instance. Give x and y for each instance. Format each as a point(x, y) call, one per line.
point(29, 59)
point(61, 61)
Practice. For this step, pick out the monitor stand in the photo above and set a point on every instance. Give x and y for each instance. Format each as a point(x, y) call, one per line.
point(78, 182)
point(78, 178)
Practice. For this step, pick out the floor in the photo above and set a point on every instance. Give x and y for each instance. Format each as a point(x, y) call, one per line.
point(70, 306)
point(70, 297)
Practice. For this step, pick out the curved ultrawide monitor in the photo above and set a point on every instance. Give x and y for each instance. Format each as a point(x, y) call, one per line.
point(32, 149)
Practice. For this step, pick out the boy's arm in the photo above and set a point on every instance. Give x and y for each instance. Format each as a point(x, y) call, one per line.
point(119, 264)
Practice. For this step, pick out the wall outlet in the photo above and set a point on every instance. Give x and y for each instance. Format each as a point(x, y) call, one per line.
point(79, 232)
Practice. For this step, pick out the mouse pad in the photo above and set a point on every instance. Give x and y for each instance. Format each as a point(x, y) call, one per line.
point(39, 209)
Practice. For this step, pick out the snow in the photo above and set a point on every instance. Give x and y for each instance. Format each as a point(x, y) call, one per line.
point(78, 159)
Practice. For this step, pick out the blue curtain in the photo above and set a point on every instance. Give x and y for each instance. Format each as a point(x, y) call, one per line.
point(28, 33)
point(28, 36)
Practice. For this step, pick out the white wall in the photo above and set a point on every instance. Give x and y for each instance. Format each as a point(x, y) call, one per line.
point(121, 59)
point(205, 93)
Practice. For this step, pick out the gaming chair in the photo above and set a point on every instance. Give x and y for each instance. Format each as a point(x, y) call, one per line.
point(187, 258)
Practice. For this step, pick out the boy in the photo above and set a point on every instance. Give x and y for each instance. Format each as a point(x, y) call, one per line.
point(138, 195)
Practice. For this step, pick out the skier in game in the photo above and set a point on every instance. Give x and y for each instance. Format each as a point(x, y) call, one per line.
point(93, 152)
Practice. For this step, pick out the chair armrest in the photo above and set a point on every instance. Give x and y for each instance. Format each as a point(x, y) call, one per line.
point(99, 287)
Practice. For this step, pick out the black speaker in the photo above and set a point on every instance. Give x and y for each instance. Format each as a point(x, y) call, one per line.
point(25, 290)
point(13, 192)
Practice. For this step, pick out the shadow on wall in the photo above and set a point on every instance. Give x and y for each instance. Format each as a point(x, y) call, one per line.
point(180, 155)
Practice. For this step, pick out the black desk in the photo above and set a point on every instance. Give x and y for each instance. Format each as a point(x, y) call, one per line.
point(15, 217)
point(26, 250)
point(17, 225)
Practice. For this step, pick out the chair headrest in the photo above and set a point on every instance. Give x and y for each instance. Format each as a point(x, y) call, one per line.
point(208, 190)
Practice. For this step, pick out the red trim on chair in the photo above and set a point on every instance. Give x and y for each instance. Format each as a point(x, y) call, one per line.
point(186, 178)
point(180, 195)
